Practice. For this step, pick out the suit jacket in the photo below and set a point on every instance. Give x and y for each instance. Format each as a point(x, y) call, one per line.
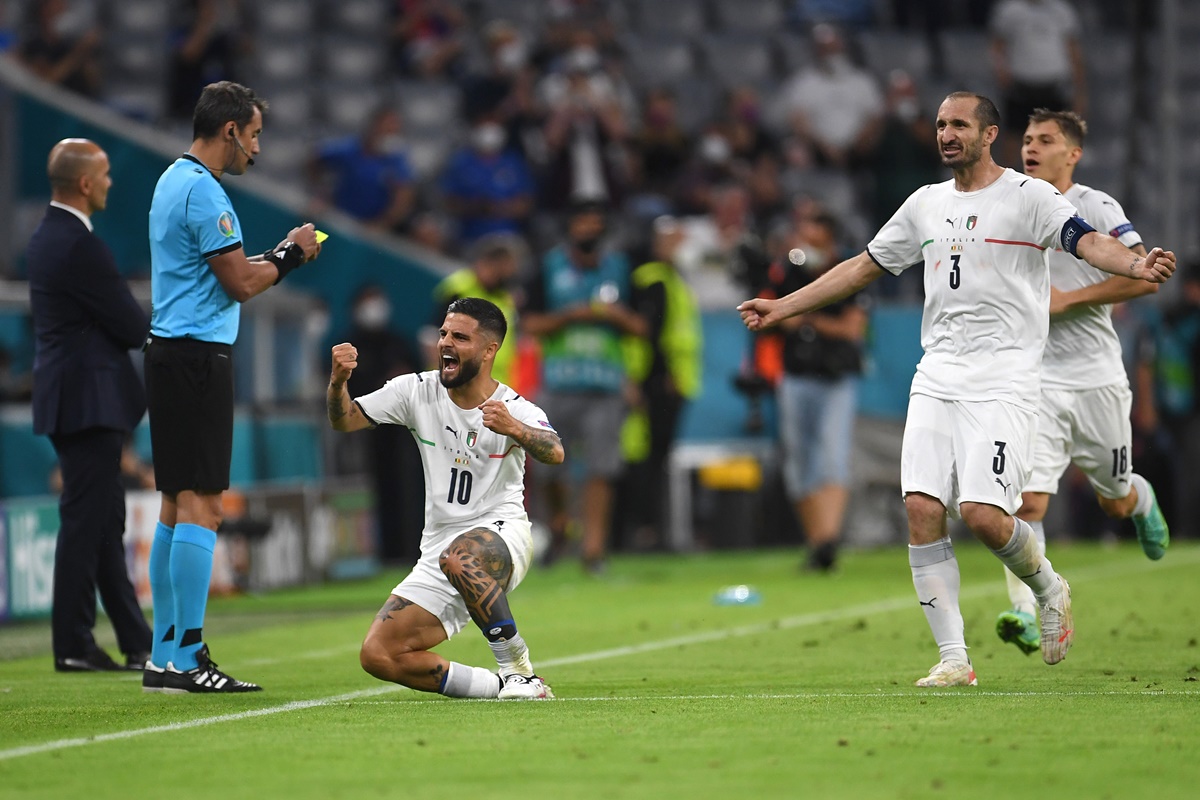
point(85, 321)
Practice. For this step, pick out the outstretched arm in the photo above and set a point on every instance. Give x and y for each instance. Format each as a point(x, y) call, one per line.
point(1106, 253)
point(1114, 290)
point(848, 277)
point(543, 444)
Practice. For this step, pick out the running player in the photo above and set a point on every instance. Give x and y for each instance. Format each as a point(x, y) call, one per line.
point(474, 433)
point(972, 413)
point(1083, 415)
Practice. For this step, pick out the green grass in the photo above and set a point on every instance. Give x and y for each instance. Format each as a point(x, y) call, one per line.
point(661, 694)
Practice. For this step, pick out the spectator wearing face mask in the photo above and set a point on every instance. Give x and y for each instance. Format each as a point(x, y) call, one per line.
point(578, 307)
point(904, 149)
point(585, 125)
point(832, 105)
point(368, 176)
point(391, 458)
point(818, 392)
point(488, 186)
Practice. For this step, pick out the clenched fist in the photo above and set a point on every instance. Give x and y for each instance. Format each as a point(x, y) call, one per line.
point(345, 361)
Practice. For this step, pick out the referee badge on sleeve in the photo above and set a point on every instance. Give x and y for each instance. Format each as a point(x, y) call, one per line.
point(225, 224)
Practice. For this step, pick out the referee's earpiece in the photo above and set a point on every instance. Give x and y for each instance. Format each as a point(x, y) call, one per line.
point(229, 133)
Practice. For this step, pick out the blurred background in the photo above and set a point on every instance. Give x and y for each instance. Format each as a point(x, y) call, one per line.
point(435, 136)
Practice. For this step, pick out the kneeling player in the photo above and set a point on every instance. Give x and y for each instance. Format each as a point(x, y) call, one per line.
point(474, 433)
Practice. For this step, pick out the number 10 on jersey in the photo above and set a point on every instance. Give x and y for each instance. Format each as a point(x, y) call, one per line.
point(461, 481)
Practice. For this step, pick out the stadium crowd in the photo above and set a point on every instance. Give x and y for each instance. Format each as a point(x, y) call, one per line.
point(749, 128)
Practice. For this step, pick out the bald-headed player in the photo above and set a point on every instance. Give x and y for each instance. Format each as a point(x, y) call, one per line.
point(1083, 412)
point(86, 398)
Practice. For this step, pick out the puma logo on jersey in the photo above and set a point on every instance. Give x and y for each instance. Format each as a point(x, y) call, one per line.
point(1003, 485)
point(930, 603)
point(452, 431)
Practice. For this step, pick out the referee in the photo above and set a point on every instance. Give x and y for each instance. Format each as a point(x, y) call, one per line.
point(199, 275)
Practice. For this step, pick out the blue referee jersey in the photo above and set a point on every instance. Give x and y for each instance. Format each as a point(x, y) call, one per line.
point(191, 220)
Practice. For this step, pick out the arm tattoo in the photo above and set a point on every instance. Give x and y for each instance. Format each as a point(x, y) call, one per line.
point(393, 603)
point(335, 402)
point(539, 444)
point(479, 566)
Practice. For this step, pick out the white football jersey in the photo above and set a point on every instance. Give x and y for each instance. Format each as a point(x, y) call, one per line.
point(987, 285)
point(472, 474)
point(1083, 351)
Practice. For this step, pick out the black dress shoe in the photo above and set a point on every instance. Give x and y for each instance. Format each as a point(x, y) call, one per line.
point(95, 661)
point(136, 662)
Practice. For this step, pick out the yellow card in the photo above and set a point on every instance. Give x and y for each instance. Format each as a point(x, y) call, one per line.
point(321, 236)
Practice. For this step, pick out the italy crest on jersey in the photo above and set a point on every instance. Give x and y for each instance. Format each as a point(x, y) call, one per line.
point(471, 437)
point(971, 220)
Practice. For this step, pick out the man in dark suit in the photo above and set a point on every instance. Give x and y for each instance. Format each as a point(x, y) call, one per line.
point(87, 398)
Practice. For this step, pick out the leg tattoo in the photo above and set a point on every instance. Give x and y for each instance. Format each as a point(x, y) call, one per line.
point(393, 603)
point(479, 566)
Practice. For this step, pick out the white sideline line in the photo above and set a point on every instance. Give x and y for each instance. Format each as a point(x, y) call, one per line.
point(297, 705)
point(803, 620)
point(960, 692)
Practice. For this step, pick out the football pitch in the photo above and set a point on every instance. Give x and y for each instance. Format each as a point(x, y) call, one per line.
point(661, 693)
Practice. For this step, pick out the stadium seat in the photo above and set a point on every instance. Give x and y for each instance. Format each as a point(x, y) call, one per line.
point(283, 157)
point(347, 107)
point(139, 17)
point(794, 51)
point(281, 18)
point(352, 60)
point(1109, 59)
point(291, 109)
point(967, 61)
point(659, 59)
point(427, 154)
point(669, 17)
point(428, 105)
point(886, 50)
point(362, 17)
point(286, 63)
point(736, 59)
point(136, 58)
point(696, 100)
point(757, 16)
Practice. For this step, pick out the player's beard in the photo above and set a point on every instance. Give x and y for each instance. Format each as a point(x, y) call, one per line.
point(967, 157)
point(467, 370)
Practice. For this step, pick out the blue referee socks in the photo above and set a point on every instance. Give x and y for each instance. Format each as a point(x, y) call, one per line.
point(191, 569)
point(163, 597)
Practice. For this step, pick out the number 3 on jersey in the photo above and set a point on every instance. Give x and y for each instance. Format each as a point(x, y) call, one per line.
point(955, 272)
point(461, 480)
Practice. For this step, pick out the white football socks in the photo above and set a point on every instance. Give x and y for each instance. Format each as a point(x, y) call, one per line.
point(512, 656)
point(936, 579)
point(1144, 493)
point(475, 682)
point(1025, 556)
point(1019, 594)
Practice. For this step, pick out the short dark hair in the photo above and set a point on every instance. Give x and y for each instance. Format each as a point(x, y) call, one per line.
point(986, 113)
point(1073, 126)
point(222, 102)
point(489, 316)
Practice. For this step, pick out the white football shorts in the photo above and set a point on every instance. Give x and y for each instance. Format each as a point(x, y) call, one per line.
point(428, 587)
point(967, 451)
point(1091, 428)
